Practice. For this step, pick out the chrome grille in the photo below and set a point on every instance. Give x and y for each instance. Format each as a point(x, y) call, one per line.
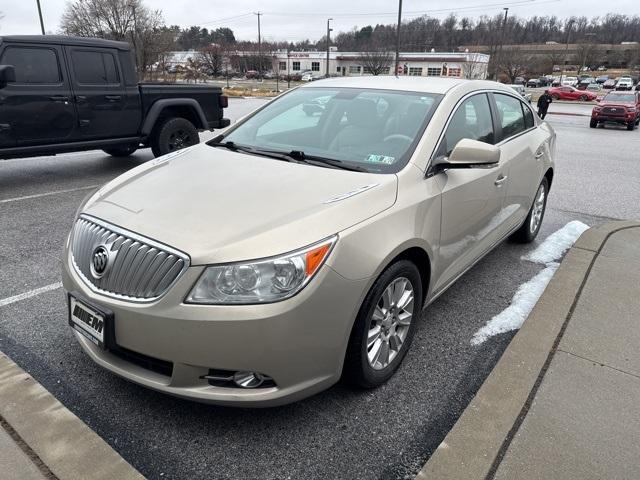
point(139, 268)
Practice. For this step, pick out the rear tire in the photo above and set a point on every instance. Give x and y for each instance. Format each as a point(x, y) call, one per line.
point(173, 134)
point(583, 98)
point(121, 150)
point(593, 123)
point(528, 231)
point(371, 358)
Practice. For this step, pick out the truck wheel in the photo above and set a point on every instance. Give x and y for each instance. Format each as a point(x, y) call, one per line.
point(631, 125)
point(173, 134)
point(121, 150)
point(593, 123)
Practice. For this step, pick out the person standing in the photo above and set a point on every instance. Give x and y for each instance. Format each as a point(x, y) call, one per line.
point(543, 104)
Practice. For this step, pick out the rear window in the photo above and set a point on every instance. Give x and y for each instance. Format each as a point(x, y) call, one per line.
point(94, 68)
point(33, 65)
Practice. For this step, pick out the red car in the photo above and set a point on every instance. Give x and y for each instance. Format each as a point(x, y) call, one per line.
point(617, 107)
point(571, 93)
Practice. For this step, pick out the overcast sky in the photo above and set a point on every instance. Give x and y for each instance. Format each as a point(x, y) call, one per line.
point(299, 19)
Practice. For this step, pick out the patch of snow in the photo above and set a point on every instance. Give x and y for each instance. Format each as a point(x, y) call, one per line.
point(554, 246)
point(522, 303)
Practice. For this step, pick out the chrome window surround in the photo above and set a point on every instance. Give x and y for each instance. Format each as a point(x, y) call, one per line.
point(145, 241)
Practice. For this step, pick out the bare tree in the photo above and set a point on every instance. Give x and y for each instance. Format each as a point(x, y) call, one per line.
point(124, 20)
point(212, 58)
point(375, 61)
point(474, 67)
point(193, 70)
point(585, 54)
point(513, 63)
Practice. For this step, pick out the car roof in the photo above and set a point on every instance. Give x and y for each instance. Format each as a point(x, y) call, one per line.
point(437, 85)
point(65, 40)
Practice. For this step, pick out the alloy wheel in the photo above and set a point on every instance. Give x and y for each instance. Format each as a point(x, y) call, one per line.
point(538, 209)
point(390, 323)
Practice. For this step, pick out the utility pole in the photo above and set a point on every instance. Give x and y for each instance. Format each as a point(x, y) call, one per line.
point(40, 15)
point(504, 28)
point(398, 36)
point(259, 48)
point(566, 49)
point(329, 30)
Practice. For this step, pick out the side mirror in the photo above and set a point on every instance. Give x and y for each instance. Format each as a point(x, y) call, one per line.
point(7, 75)
point(470, 154)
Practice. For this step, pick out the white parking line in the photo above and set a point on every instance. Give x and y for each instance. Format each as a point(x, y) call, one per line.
point(38, 195)
point(548, 253)
point(30, 293)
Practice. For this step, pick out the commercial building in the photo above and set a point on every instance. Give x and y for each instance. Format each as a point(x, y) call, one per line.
point(434, 64)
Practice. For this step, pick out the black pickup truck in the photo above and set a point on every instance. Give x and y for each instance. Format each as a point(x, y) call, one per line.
point(61, 94)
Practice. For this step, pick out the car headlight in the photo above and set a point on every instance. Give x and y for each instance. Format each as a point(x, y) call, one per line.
point(261, 281)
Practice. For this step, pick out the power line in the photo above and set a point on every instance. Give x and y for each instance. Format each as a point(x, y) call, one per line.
point(512, 3)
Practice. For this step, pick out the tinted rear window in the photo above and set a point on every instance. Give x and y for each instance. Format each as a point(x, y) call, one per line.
point(94, 68)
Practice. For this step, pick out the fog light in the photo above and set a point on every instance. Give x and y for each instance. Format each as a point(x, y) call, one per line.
point(248, 379)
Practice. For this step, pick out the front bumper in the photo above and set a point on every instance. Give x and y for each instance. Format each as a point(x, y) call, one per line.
point(299, 342)
point(626, 118)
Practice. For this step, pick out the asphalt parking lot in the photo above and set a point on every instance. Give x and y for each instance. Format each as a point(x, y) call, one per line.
point(386, 433)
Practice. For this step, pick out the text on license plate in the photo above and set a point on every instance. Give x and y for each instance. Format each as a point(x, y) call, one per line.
point(87, 320)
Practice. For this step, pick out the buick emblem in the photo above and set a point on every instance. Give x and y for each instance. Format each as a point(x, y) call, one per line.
point(99, 261)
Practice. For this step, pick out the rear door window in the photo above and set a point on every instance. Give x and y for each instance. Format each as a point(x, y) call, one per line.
point(510, 115)
point(94, 68)
point(33, 65)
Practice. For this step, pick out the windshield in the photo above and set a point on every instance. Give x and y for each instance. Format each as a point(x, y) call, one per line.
point(372, 130)
point(620, 97)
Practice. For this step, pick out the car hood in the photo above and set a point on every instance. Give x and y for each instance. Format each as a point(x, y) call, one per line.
point(615, 104)
point(222, 206)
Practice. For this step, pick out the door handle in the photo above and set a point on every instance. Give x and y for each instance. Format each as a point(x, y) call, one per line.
point(113, 98)
point(59, 98)
point(500, 180)
point(80, 98)
point(540, 154)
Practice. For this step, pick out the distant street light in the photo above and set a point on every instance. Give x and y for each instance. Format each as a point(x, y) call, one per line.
point(398, 36)
point(329, 30)
point(40, 15)
point(566, 49)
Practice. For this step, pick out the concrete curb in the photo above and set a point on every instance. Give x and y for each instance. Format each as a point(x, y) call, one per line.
point(51, 434)
point(569, 114)
point(476, 444)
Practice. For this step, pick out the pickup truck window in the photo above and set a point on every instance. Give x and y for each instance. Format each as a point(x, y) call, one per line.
point(33, 64)
point(94, 68)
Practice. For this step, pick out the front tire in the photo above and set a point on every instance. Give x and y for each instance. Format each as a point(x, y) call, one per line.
point(528, 231)
point(121, 150)
point(631, 125)
point(385, 326)
point(593, 123)
point(173, 134)
point(583, 98)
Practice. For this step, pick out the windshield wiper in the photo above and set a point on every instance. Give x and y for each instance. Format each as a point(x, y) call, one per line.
point(300, 156)
point(295, 156)
point(234, 147)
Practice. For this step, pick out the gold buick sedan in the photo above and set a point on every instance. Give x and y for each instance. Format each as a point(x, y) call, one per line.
point(302, 244)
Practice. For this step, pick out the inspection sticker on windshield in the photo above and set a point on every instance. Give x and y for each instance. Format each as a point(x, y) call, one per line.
point(372, 158)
